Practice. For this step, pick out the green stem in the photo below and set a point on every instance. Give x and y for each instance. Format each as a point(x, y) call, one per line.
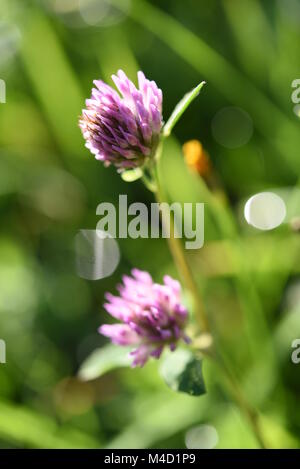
point(250, 413)
point(179, 257)
point(184, 270)
point(150, 184)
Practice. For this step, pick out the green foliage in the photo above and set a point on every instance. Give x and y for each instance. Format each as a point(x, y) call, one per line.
point(50, 187)
point(180, 108)
point(182, 372)
point(104, 359)
point(22, 426)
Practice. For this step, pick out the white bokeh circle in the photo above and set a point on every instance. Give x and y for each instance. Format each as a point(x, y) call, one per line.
point(265, 211)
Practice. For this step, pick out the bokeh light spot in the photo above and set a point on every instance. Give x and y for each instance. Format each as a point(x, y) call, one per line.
point(94, 11)
point(73, 396)
point(232, 127)
point(297, 110)
point(201, 437)
point(290, 10)
point(97, 256)
point(83, 13)
point(10, 37)
point(265, 211)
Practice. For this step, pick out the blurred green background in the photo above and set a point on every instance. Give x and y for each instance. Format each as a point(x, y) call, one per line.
point(50, 186)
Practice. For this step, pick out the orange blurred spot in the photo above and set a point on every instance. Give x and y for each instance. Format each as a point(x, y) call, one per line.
point(196, 157)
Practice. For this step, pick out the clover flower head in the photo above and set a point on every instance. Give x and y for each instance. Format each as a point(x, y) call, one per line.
point(152, 316)
point(123, 129)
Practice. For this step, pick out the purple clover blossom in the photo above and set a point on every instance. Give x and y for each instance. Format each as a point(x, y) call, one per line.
point(152, 316)
point(123, 131)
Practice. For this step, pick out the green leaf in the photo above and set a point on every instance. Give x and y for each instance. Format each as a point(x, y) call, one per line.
point(182, 371)
point(180, 108)
point(162, 415)
point(104, 359)
point(132, 174)
point(25, 427)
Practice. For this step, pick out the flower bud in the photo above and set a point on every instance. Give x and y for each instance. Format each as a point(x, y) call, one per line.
point(123, 129)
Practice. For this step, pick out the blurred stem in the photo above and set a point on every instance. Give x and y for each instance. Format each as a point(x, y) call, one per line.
point(184, 270)
point(149, 183)
point(232, 385)
point(236, 392)
point(177, 251)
